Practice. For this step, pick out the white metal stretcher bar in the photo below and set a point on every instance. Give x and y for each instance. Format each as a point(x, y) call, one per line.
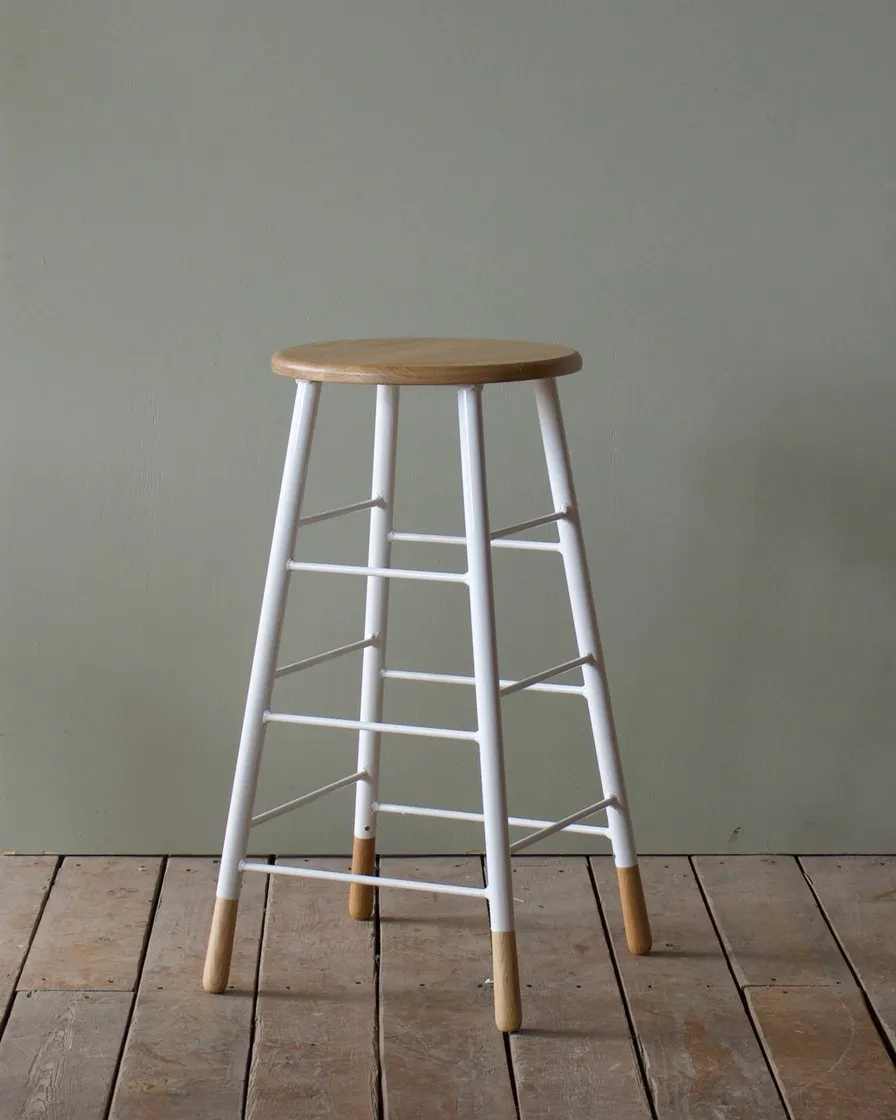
point(535, 683)
point(450, 678)
point(514, 822)
point(496, 536)
point(371, 880)
point(384, 573)
point(437, 538)
point(371, 725)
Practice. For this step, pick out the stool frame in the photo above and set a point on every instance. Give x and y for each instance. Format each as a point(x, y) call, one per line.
point(479, 540)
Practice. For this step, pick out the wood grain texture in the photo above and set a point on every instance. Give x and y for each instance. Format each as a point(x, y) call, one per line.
point(58, 1054)
point(858, 894)
point(425, 361)
point(360, 895)
point(826, 1053)
point(314, 1053)
point(698, 1047)
point(187, 1052)
point(441, 1052)
point(634, 910)
point(506, 981)
point(575, 1055)
point(770, 924)
point(216, 970)
point(93, 928)
point(24, 882)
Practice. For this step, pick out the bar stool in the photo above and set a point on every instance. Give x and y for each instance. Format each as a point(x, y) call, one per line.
point(467, 365)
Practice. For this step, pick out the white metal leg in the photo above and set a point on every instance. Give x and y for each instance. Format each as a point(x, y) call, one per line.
point(485, 660)
point(273, 603)
point(379, 550)
point(585, 621)
point(505, 969)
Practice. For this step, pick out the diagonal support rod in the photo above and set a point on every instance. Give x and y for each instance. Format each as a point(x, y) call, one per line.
point(341, 511)
point(320, 658)
point(297, 802)
point(546, 674)
point(558, 826)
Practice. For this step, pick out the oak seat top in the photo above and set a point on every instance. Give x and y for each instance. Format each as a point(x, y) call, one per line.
point(425, 361)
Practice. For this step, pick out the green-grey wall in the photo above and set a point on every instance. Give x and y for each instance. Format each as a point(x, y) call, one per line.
point(698, 195)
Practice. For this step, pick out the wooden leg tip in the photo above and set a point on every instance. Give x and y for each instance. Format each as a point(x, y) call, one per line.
point(220, 946)
point(360, 902)
point(508, 1008)
point(634, 911)
point(360, 895)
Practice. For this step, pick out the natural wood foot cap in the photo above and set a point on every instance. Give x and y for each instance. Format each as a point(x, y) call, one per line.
point(220, 945)
point(360, 895)
point(634, 910)
point(508, 1009)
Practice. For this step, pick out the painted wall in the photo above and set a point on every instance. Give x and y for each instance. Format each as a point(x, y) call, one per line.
point(699, 195)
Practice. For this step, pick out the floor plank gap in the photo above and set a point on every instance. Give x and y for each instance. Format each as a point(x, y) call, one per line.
point(250, 1053)
point(442, 1054)
point(741, 989)
point(825, 1053)
point(876, 1018)
point(508, 1053)
point(770, 993)
point(377, 1001)
point(769, 922)
point(6, 1011)
point(636, 1042)
point(314, 1051)
point(153, 907)
point(699, 1048)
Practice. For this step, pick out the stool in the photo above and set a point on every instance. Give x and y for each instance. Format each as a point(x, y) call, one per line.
point(467, 365)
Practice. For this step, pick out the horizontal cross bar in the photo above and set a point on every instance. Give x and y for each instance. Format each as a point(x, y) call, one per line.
point(371, 880)
point(340, 511)
point(514, 822)
point(320, 658)
point(449, 678)
point(288, 806)
point(384, 573)
point(537, 678)
point(436, 538)
point(559, 826)
point(370, 725)
point(426, 538)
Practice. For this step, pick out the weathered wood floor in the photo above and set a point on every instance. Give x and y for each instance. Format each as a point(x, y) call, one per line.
point(771, 994)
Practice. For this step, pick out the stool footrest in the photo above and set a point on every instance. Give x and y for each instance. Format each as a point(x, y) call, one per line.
point(371, 725)
point(297, 802)
point(545, 828)
point(531, 684)
point(370, 880)
point(496, 536)
point(382, 573)
point(439, 538)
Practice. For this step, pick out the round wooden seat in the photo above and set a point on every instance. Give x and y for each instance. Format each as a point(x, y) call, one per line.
point(425, 361)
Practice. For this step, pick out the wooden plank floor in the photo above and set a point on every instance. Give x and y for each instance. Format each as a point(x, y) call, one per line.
point(770, 994)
